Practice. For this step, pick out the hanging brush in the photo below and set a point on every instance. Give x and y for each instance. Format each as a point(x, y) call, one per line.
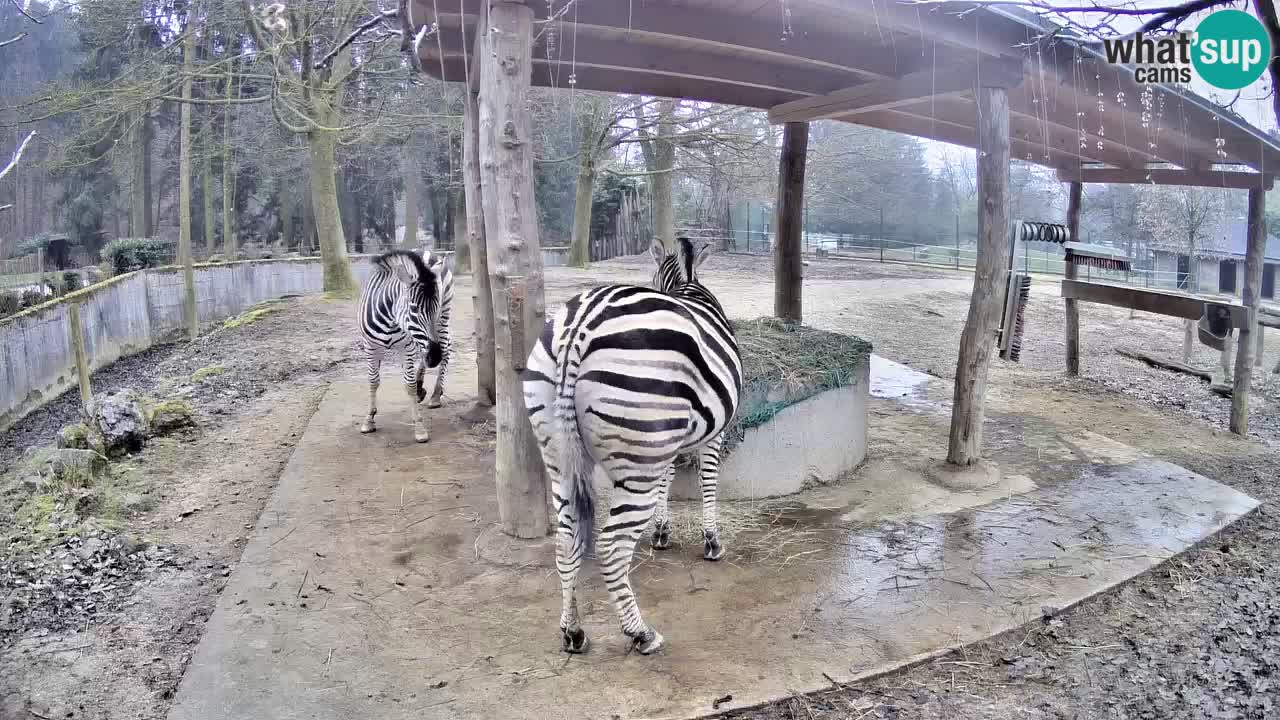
point(1017, 294)
point(1099, 256)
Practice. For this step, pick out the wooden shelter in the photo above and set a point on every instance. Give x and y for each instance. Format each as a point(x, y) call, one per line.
point(994, 78)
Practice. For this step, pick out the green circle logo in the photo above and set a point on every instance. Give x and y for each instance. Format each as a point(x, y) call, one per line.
point(1231, 49)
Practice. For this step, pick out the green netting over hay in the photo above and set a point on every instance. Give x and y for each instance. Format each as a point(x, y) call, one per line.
point(786, 364)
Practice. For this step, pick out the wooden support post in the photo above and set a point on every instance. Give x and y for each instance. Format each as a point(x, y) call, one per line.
point(511, 234)
point(1188, 339)
point(82, 356)
point(189, 316)
point(990, 277)
point(1074, 200)
point(481, 292)
point(1258, 352)
point(1250, 297)
point(788, 265)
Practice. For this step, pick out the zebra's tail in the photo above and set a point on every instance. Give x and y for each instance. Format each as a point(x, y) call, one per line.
point(575, 463)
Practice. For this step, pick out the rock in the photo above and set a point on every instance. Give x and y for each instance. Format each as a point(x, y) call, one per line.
point(171, 415)
point(121, 420)
point(71, 467)
point(79, 436)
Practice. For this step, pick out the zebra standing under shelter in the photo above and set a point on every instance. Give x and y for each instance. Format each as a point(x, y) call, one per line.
point(406, 303)
point(626, 378)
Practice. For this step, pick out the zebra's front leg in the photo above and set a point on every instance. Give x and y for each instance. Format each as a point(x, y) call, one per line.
point(629, 513)
point(709, 477)
point(413, 388)
point(445, 352)
point(661, 539)
point(373, 355)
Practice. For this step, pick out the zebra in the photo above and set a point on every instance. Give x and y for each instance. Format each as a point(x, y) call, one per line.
point(623, 379)
point(407, 301)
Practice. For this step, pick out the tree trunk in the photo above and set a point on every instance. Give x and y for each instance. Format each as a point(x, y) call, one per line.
point(449, 215)
point(338, 279)
point(481, 292)
point(1250, 297)
point(664, 155)
point(1188, 339)
point(1074, 200)
point(288, 207)
point(140, 200)
point(580, 242)
point(788, 265)
point(206, 187)
point(990, 277)
point(228, 176)
point(437, 227)
point(409, 171)
point(461, 246)
point(184, 187)
point(511, 229)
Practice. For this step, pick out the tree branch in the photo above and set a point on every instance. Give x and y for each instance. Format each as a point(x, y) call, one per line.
point(17, 156)
point(28, 15)
point(12, 40)
point(360, 30)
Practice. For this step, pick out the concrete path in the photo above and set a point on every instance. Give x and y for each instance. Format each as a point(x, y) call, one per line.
point(376, 585)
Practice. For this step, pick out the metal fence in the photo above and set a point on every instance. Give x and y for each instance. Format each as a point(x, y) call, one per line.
point(20, 271)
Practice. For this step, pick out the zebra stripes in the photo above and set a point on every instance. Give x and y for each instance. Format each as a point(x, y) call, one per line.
point(407, 301)
point(623, 379)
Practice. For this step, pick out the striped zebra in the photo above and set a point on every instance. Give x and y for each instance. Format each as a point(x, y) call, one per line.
point(407, 302)
point(624, 378)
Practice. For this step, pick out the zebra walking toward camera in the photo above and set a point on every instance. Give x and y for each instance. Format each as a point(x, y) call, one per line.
point(625, 378)
point(406, 303)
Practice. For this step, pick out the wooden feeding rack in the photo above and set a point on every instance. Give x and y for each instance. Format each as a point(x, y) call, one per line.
point(1160, 302)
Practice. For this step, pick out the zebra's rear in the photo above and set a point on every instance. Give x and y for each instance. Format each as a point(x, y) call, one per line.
point(626, 378)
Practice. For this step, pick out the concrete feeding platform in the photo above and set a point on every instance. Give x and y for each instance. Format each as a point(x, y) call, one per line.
point(376, 585)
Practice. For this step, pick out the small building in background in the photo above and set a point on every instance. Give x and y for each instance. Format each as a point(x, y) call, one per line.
point(1217, 266)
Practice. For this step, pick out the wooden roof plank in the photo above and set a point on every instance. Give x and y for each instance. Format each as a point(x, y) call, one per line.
point(895, 92)
point(1231, 179)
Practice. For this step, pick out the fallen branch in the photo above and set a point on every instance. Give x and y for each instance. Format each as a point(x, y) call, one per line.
point(1164, 364)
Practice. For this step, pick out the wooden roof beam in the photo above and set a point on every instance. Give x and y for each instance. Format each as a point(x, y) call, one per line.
point(896, 92)
point(960, 134)
point(1230, 179)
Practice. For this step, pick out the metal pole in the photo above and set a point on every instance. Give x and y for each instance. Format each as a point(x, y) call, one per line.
point(957, 242)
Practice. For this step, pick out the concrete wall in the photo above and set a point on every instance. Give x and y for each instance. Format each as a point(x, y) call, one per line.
point(130, 313)
point(551, 256)
point(813, 442)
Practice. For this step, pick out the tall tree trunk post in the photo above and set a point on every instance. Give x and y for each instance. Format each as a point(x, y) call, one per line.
point(206, 187)
point(228, 175)
point(411, 181)
point(462, 245)
point(580, 236)
point(511, 230)
point(481, 290)
point(788, 264)
point(989, 280)
point(1250, 296)
point(184, 186)
point(338, 279)
point(1075, 199)
point(140, 224)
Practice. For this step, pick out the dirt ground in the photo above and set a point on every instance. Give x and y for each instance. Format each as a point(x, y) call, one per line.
point(1197, 638)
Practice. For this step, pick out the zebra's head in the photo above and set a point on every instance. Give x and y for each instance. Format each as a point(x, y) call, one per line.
point(679, 268)
point(422, 297)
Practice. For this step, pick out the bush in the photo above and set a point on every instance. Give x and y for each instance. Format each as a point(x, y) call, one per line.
point(129, 254)
point(71, 281)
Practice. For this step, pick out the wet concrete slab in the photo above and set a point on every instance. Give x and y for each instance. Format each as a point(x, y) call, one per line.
point(377, 585)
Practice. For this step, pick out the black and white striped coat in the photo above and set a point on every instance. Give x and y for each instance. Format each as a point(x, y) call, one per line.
point(625, 378)
point(406, 303)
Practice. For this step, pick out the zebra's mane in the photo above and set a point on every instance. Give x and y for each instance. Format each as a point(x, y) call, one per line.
point(388, 262)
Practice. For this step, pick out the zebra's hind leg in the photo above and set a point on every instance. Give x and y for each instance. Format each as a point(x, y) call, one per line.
point(446, 349)
point(661, 539)
point(709, 476)
point(413, 387)
point(373, 355)
point(631, 506)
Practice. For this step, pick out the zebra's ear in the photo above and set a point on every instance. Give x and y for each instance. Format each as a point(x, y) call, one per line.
point(405, 270)
point(701, 251)
point(658, 250)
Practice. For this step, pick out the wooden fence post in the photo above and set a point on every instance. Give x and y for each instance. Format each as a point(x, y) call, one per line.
point(1250, 297)
point(788, 266)
point(511, 234)
point(989, 277)
point(81, 355)
point(1074, 200)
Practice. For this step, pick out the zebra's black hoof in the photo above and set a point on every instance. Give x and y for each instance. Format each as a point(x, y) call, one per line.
point(661, 537)
point(648, 642)
point(711, 547)
point(574, 641)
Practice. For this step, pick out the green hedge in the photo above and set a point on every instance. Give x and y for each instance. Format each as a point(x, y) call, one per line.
point(129, 254)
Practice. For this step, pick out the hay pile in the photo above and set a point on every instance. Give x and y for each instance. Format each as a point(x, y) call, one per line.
point(786, 364)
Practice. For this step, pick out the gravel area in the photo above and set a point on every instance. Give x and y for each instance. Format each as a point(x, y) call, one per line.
point(1196, 638)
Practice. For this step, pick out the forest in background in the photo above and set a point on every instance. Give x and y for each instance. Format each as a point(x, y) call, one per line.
point(308, 128)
